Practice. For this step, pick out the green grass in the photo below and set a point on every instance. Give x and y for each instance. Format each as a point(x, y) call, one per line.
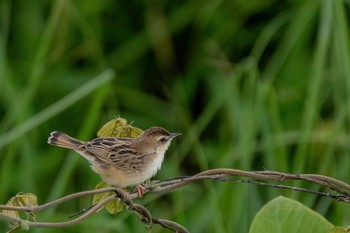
point(251, 85)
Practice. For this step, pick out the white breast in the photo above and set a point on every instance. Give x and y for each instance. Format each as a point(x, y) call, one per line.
point(140, 177)
point(157, 162)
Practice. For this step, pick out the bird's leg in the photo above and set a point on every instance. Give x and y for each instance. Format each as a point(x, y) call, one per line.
point(140, 190)
point(123, 195)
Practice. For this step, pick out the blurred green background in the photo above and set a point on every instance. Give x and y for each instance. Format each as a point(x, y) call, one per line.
point(252, 85)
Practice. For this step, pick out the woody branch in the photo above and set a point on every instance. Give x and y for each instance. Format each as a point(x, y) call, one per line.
point(338, 190)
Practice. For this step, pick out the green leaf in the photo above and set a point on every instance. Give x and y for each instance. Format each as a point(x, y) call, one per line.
point(11, 213)
point(119, 128)
point(283, 215)
point(21, 200)
point(100, 196)
point(112, 207)
point(115, 206)
point(24, 225)
point(26, 199)
point(338, 230)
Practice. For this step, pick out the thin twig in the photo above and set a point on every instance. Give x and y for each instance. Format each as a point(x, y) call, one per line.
point(63, 199)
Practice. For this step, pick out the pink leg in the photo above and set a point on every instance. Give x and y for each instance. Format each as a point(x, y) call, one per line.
point(140, 190)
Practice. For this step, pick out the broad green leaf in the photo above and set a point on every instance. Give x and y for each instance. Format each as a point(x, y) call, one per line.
point(338, 230)
point(24, 225)
point(115, 206)
point(21, 200)
point(100, 196)
point(11, 213)
point(283, 215)
point(112, 207)
point(102, 185)
point(26, 199)
point(112, 127)
point(119, 128)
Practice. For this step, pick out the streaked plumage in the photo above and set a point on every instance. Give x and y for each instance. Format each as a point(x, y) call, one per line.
point(121, 162)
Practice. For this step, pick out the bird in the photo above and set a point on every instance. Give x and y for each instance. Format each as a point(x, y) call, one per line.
point(121, 162)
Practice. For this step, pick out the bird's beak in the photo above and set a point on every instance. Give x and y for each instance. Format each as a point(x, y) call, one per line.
point(173, 135)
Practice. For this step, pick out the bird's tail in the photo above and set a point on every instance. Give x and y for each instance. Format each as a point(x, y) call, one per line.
point(63, 140)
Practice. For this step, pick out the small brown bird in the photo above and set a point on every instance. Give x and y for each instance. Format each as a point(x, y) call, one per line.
point(121, 162)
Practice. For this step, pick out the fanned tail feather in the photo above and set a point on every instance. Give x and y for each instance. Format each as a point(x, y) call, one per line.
point(63, 140)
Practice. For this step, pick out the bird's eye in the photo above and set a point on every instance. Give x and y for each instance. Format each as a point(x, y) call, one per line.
point(162, 139)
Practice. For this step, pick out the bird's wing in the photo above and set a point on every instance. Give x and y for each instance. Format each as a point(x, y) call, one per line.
point(102, 148)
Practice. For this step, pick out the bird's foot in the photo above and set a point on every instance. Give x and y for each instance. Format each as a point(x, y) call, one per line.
point(140, 190)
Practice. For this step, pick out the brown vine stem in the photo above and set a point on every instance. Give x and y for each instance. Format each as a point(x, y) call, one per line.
point(64, 199)
point(61, 224)
point(340, 192)
point(325, 181)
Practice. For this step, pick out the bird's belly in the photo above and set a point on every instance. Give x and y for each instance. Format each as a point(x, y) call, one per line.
point(123, 179)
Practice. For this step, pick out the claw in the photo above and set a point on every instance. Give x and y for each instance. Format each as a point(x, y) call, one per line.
point(140, 190)
point(123, 195)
